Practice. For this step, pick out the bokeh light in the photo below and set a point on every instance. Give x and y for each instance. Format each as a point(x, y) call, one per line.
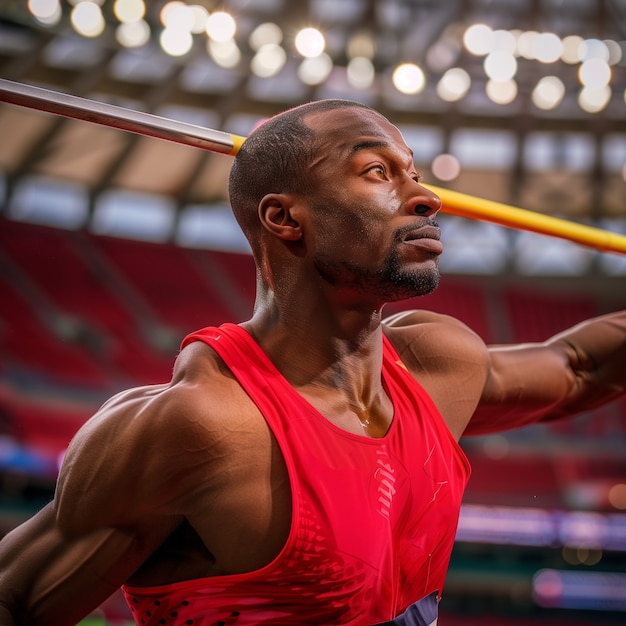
point(409, 78)
point(87, 19)
point(501, 92)
point(360, 72)
point(548, 93)
point(221, 26)
point(478, 39)
point(310, 42)
point(445, 167)
point(454, 84)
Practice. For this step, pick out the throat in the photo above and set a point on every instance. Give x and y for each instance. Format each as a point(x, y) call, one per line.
point(364, 411)
point(362, 414)
point(371, 420)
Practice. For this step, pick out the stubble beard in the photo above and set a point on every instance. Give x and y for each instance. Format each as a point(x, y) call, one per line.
point(390, 283)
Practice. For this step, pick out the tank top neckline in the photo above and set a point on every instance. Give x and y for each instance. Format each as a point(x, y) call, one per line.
point(262, 357)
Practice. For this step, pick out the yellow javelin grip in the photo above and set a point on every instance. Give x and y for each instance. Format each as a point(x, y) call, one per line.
point(237, 143)
point(463, 205)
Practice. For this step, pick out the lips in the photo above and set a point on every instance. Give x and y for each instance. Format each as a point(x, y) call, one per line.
point(425, 238)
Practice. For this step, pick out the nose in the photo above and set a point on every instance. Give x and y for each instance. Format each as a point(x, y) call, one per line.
point(425, 203)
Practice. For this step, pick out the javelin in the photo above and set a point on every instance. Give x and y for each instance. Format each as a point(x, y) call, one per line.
point(454, 202)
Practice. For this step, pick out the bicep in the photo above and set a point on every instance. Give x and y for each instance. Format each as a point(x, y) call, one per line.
point(66, 560)
point(527, 384)
point(51, 578)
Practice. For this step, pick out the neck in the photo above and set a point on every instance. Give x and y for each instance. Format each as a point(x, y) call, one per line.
point(332, 355)
point(321, 346)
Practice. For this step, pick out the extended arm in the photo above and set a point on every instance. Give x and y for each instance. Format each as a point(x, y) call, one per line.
point(572, 372)
point(48, 577)
point(65, 561)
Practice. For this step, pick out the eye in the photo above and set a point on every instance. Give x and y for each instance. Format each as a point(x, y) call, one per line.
point(378, 170)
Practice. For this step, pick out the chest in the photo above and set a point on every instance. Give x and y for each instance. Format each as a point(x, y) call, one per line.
point(290, 480)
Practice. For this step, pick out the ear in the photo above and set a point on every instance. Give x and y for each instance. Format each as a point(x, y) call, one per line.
point(277, 214)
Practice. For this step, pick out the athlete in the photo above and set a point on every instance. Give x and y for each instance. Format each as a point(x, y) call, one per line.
point(302, 467)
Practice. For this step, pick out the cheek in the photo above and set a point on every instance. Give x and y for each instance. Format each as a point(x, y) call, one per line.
point(350, 220)
point(358, 226)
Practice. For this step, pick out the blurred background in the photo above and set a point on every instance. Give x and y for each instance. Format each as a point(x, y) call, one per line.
point(113, 246)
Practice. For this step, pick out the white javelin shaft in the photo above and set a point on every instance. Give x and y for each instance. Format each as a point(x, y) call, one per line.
point(118, 117)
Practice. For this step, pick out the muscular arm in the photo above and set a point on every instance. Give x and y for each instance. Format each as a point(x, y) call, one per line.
point(65, 561)
point(481, 389)
point(574, 371)
point(150, 459)
point(48, 577)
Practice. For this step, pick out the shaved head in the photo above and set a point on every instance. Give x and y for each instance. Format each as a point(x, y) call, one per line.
point(274, 159)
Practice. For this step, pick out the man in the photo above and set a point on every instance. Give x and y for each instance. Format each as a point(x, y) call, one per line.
point(302, 467)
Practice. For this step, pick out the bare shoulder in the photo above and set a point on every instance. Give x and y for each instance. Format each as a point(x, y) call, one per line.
point(415, 333)
point(443, 354)
point(137, 456)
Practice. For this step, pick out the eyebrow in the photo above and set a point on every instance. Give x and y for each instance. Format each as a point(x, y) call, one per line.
point(366, 145)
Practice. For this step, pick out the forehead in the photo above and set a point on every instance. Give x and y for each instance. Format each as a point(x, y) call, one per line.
point(340, 130)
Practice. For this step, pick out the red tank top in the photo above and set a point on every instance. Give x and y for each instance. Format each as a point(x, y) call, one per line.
point(373, 520)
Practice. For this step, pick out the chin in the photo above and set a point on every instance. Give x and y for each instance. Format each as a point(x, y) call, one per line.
point(418, 286)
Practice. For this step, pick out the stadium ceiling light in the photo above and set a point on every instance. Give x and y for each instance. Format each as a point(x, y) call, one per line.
point(571, 49)
point(504, 41)
point(548, 93)
point(478, 39)
point(454, 84)
point(594, 73)
point(409, 78)
point(310, 42)
point(445, 167)
point(501, 92)
point(268, 61)
point(221, 26)
point(361, 45)
point(594, 100)
point(133, 34)
point(176, 41)
point(87, 19)
point(547, 47)
point(47, 12)
point(500, 66)
point(200, 17)
point(129, 10)
point(226, 54)
point(167, 9)
point(315, 70)
point(525, 44)
point(265, 33)
point(360, 73)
